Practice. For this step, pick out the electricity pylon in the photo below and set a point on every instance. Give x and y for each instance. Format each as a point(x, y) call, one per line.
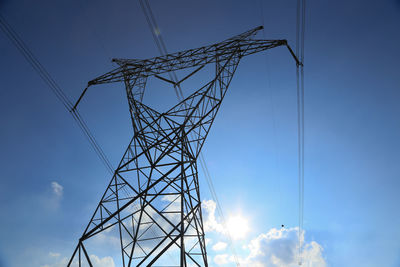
point(153, 200)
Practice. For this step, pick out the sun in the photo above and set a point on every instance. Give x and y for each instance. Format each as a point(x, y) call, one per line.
point(237, 226)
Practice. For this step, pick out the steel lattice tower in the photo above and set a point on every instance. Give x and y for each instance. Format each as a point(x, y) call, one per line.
point(153, 199)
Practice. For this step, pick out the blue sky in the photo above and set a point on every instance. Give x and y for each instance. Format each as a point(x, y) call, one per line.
point(351, 122)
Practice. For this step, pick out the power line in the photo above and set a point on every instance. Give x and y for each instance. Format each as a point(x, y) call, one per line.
point(300, 35)
point(273, 118)
point(54, 87)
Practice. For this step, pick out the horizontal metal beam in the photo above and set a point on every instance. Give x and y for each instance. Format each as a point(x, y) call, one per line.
point(187, 59)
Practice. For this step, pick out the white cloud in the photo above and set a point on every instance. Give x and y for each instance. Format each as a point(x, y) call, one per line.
point(52, 254)
point(279, 248)
point(211, 223)
point(276, 248)
point(313, 255)
point(57, 189)
point(221, 259)
point(220, 246)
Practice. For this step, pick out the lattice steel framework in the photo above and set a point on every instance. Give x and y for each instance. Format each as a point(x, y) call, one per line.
point(153, 199)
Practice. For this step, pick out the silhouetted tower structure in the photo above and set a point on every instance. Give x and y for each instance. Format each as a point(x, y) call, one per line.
point(153, 200)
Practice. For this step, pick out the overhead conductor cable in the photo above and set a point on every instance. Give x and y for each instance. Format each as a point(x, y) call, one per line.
point(300, 32)
point(55, 88)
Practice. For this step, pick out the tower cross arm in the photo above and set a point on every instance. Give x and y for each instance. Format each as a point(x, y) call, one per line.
point(181, 60)
point(242, 44)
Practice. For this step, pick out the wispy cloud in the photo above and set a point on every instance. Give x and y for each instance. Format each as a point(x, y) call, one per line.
point(57, 189)
point(53, 254)
point(220, 246)
point(52, 197)
point(221, 259)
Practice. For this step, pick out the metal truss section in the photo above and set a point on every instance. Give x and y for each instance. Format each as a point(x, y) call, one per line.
point(153, 199)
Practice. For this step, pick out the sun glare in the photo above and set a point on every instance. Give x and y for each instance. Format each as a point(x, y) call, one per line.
point(237, 227)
